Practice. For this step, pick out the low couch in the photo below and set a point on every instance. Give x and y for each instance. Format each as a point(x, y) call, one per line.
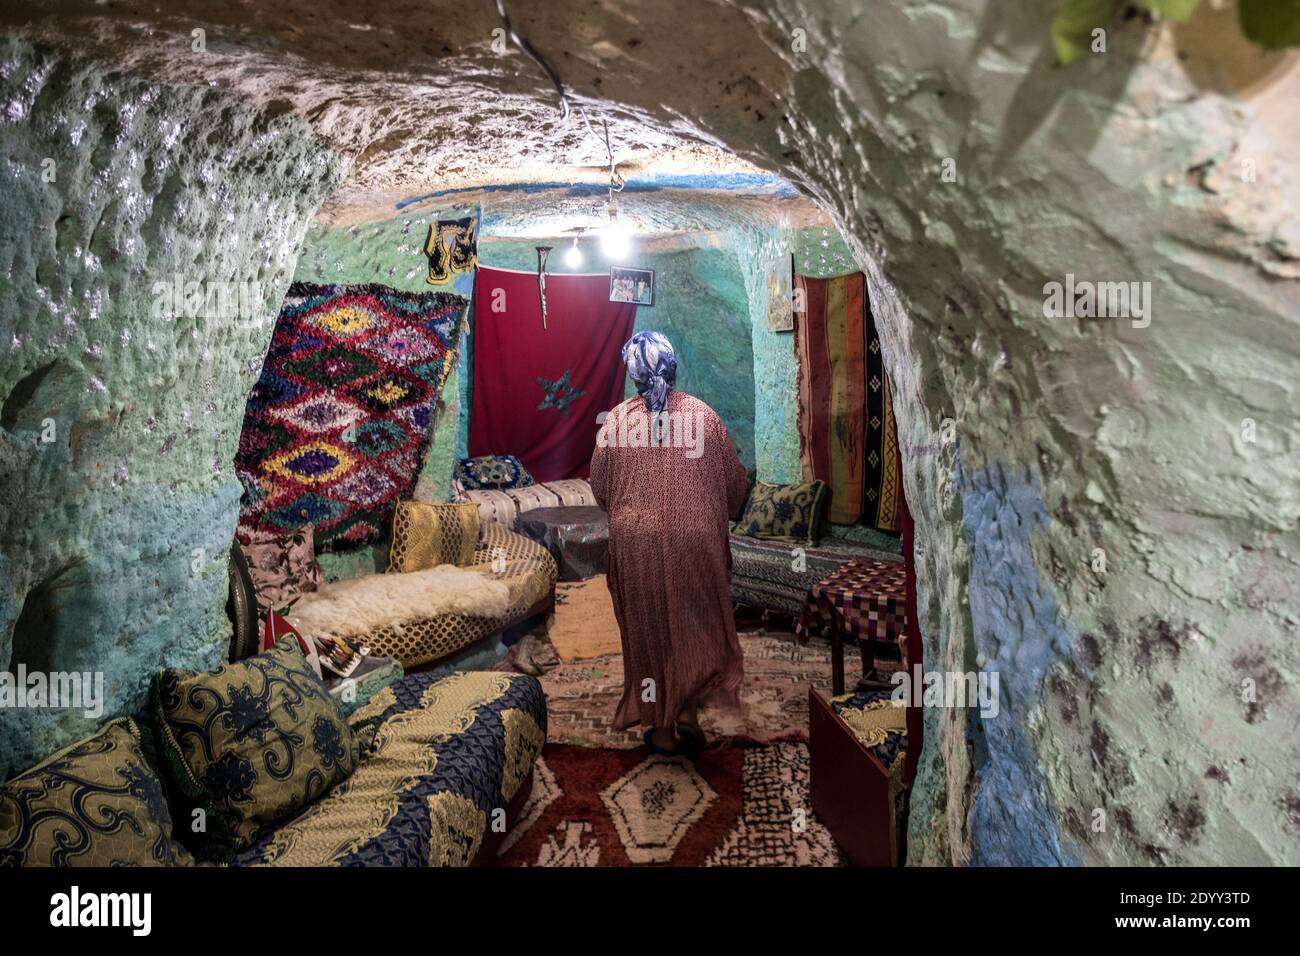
point(425, 535)
point(449, 769)
point(523, 565)
point(774, 575)
point(503, 506)
point(781, 546)
point(429, 772)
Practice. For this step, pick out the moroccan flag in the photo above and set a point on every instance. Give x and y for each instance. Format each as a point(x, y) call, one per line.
point(846, 415)
point(537, 391)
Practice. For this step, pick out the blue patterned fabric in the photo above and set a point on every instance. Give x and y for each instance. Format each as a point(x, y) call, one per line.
point(448, 754)
point(492, 473)
point(96, 803)
point(652, 365)
point(894, 744)
point(250, 743)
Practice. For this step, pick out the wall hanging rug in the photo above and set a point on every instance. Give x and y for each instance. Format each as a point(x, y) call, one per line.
point(336, 428)
point(729, 806)
point(847, 436)
point(537, 390)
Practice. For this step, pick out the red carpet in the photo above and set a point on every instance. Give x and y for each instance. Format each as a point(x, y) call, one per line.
point(731, 806)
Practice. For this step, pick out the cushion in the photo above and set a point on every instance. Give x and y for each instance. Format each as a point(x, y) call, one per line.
point(426, 535)
point(784, 512)
point(505, 507)
point(96, 803)
point(877, 722)
point(492, 471)
point(450, 753)
point(282, 566)
point(251, 743)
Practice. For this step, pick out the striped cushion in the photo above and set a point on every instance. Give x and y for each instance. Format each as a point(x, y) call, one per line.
point(504, 507)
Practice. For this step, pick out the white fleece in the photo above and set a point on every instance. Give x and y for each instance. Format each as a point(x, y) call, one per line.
point(357, 606)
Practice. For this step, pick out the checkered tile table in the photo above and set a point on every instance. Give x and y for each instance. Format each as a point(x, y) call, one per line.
point(864, 600)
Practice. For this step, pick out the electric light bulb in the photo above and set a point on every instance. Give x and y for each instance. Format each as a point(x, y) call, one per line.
point(615, 242)
point(573, 256)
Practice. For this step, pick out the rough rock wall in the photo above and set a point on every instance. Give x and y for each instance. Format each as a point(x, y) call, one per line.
point(1148, 710)
point(120, 408)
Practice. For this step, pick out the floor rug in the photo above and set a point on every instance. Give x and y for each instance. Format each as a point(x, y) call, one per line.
point(336, 429)
point(584, 625)
point(581, 696)
point(730, 806)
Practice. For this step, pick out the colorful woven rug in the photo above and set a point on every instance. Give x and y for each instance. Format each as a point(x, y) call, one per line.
point(730, 806)
point(581, 696)
point(847, 436)
point(336, 428)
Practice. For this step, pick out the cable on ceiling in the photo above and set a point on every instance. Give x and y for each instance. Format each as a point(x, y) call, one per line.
point(616, 181)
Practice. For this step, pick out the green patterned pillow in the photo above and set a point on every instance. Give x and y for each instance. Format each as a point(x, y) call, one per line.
point(251, 743)
point(784, 512)
point(96, 803)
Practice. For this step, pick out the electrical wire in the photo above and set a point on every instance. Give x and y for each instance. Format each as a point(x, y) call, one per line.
point(616, 182)
point(536, 57)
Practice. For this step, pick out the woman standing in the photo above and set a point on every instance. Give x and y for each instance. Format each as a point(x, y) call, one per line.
point(667, 475)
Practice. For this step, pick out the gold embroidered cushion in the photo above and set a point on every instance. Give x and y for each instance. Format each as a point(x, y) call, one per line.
point(251, 743)
point(426, 534)
point(96, 803)
point(784, 512)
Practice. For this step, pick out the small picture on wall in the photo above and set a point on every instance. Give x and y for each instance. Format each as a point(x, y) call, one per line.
point(780, 294)
point(632, 285)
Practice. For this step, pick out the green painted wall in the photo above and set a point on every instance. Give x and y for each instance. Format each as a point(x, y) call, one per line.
point(120, 409)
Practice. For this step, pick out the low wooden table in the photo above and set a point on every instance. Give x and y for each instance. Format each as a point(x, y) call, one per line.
point(864, 600)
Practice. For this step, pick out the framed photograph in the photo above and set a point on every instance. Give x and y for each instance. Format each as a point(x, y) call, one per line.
point(780, 294)
point(632, 285)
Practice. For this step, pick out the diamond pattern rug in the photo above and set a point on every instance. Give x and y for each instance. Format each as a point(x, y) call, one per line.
point(730, 806)
point(336, 429)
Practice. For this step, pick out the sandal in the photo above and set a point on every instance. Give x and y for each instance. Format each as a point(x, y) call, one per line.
point(692, 738)
point(655, 748)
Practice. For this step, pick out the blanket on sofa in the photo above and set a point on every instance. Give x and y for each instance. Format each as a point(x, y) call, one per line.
point(447, 754)
point(358, 606)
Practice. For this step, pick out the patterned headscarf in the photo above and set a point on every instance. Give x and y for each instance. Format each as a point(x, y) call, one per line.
point(652, 365)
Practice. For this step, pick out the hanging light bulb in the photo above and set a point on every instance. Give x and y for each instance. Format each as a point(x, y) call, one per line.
point(573, 256)
point(615, 241)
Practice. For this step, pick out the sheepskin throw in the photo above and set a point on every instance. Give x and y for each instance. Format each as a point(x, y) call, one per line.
point(355, 607)
point(336, 429)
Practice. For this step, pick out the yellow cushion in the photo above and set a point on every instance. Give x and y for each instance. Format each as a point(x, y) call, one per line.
point(426, 535)
point(96, 803)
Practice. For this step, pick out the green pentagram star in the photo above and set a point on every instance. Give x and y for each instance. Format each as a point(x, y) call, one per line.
point(559, 393)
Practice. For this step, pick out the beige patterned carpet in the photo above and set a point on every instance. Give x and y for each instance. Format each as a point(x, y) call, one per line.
point(581, 696)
